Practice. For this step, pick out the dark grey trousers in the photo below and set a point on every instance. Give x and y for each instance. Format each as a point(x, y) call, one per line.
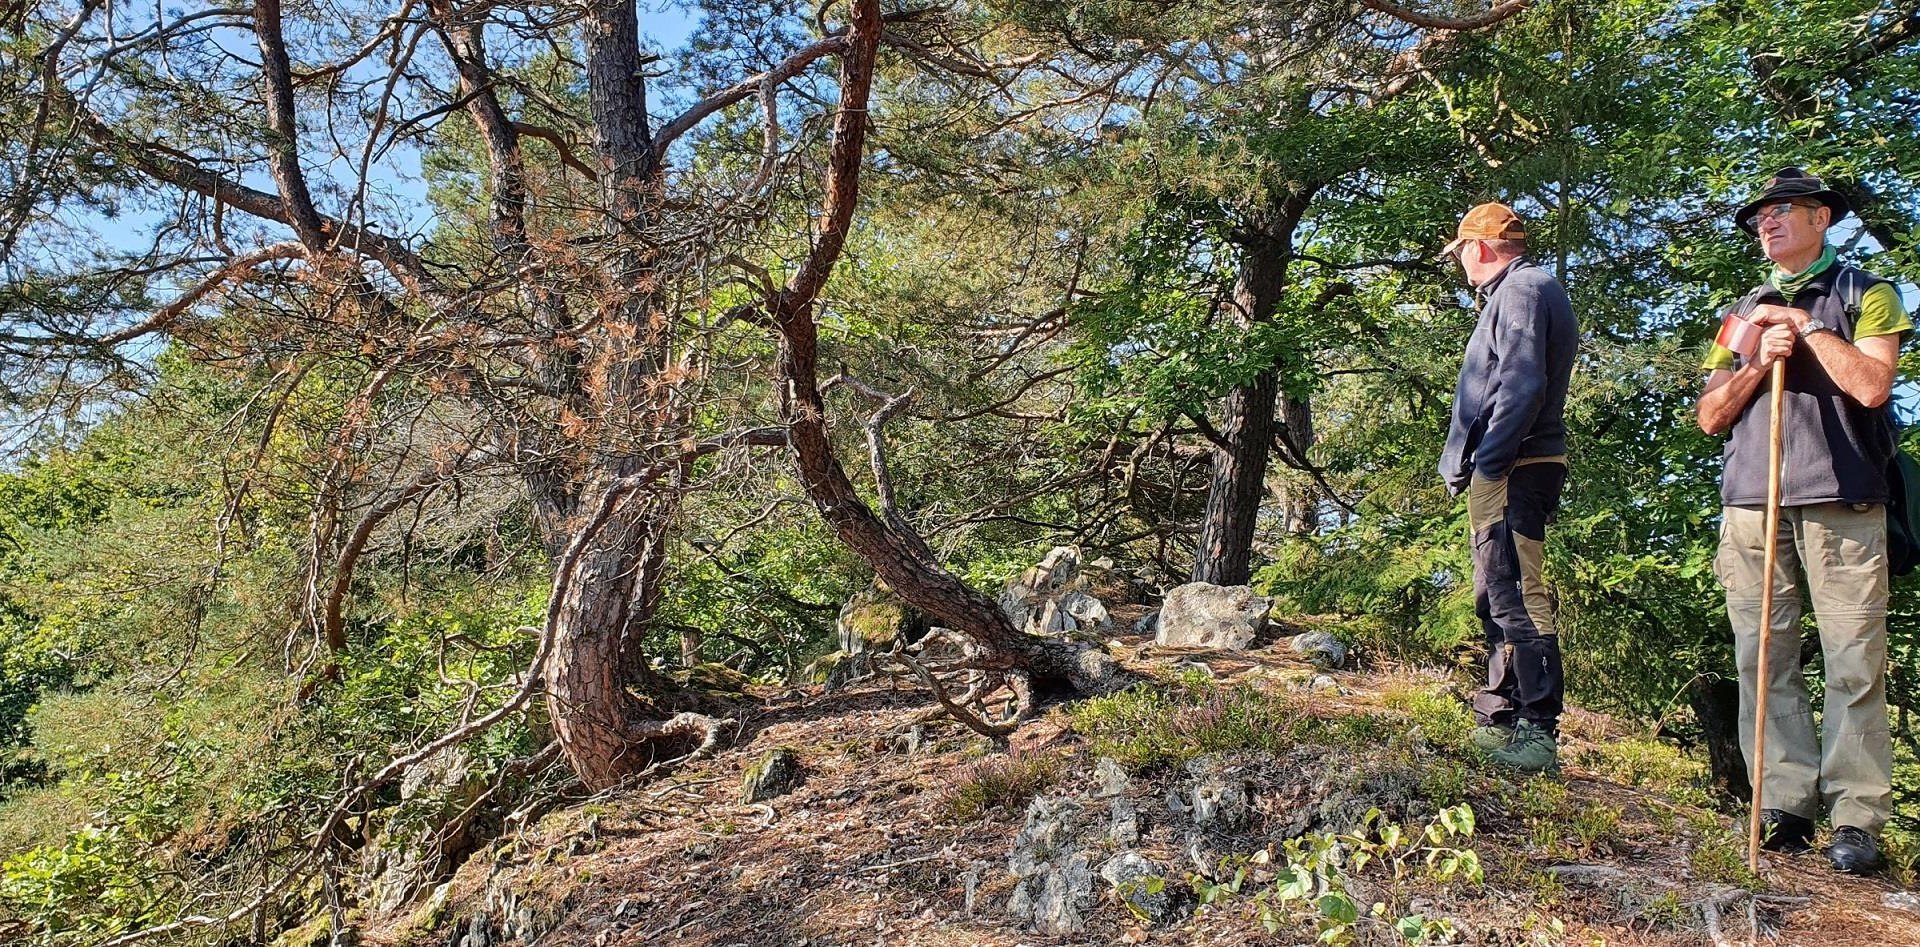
point(1509, 520)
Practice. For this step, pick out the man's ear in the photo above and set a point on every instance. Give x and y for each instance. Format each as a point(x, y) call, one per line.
point(1823, 217)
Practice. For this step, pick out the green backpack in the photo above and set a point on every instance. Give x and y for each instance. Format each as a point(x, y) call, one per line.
point(1903, 501)
point(1903, 473)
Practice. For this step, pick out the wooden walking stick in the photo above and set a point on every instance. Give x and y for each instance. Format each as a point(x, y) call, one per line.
point(1774, 430)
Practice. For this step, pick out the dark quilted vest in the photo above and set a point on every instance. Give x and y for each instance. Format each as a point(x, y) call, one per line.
point(1835, 449)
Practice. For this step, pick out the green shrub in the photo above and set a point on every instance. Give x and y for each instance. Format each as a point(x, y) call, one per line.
point(1720, 855)
point(1146, 728)
point(1648, 763)
point(1433, 713)
point(1004, 783)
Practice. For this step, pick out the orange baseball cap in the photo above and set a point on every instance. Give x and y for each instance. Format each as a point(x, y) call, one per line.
point(1490, 221)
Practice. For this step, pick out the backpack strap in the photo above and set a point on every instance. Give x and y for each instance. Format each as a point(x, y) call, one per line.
point(1852, 291)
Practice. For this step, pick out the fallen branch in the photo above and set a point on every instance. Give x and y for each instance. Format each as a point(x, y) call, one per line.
point(1586, 874)
point(996, 731)
point(902, 863)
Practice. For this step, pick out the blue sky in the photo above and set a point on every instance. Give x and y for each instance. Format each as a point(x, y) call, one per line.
point(669, 24)
point(664, 26)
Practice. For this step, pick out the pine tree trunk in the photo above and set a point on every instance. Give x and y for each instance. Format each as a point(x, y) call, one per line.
point(899, 556)
point(1239, 482)
point(1224, 554)
point(1301, 501)
point(598, 664)
point(596, 671)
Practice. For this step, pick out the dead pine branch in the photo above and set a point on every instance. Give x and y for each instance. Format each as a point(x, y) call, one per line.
point(875, 426)
point(994, 731)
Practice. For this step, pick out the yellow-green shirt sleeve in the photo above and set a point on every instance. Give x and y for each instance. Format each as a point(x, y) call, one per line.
point(1881, 313)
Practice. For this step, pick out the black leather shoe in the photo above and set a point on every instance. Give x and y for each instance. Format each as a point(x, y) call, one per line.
point(1782, 831)
point(1853, 851)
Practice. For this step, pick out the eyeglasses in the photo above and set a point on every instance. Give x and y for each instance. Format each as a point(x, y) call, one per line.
point(1771, 212)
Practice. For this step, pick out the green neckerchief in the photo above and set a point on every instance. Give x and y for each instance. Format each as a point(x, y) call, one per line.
point(1791, 283)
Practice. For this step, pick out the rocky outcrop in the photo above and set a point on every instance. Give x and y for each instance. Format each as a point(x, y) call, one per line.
point(871, 621)
point(1052, 599)
point(1320, 649)
point(1056, 873)
point(1200, 615)
point(1140, 884)
point(774, 774)
point(1070, 854)
point(1217, 796)
point(428, 834)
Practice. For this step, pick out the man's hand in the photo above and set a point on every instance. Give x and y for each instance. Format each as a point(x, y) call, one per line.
point(1863, 369)
point(1768, 314)
point(1777, 342)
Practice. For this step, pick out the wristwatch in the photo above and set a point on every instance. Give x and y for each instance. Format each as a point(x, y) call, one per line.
point(1812, 325)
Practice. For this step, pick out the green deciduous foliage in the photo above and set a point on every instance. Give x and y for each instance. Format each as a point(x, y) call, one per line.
point(1062, 203)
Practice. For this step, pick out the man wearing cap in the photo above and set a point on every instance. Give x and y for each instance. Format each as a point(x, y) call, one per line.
point(1507, 448)
point(1839, 330)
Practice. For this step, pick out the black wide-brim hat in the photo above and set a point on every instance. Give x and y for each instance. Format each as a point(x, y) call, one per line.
point(1786, 185)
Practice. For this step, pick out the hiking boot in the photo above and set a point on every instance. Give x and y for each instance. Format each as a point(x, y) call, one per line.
point(1532, 749)
point(1853, 851)
point(1491, 737)
point(1782, 831)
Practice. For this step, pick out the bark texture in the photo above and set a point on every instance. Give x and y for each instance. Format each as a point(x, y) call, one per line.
point(1224, 553)
point(900, 557)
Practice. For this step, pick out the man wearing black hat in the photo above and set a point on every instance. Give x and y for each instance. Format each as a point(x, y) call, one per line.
point(1839, 330)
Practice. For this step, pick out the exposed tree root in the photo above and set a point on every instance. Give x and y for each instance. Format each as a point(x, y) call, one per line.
point(679, 726)
point(1726, 900)
point(955, 709)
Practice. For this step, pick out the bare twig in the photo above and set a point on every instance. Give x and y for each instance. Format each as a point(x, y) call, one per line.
point(994, 731)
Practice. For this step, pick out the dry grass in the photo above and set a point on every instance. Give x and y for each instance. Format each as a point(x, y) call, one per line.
point(872, 848)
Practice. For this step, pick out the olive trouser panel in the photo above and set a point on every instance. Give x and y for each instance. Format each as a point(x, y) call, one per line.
point(1509, 520)
point(1843, 550)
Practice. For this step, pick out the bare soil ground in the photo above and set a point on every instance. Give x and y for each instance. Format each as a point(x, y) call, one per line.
point(866, 850)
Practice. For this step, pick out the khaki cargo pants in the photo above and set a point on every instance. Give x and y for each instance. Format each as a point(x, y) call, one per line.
point(1842, 549)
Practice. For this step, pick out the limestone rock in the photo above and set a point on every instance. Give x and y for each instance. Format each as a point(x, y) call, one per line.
point(1047, 833)
point(715, 680)
point(1065, 894)
point(870, 621)
point(1322, 650)
point(1123, 829)
point(1219, 795)
point(477, 933)
point(316, 932)
point(525, 916)
point(773, 774)
point(874, 618)
point(1109, 778)
point(1140, 883)
point(1051, 599)
point(1055, 886)
point(424, 839)
point(1202, 615)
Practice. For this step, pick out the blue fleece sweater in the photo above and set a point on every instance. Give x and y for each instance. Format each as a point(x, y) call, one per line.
point(1511, 399)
